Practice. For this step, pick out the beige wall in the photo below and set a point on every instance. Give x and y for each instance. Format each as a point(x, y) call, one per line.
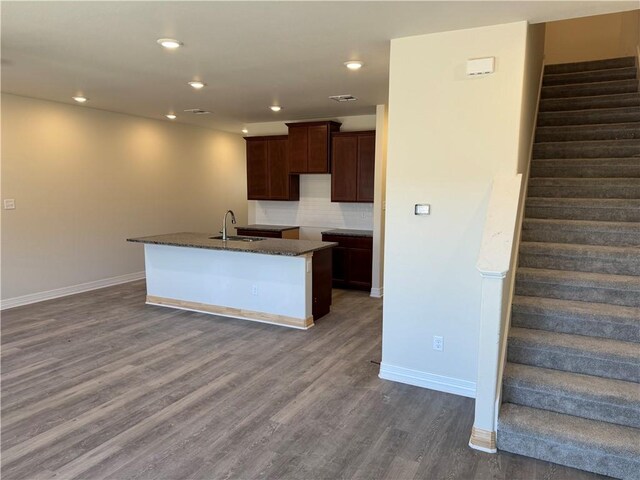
point(449, 136)
point(593, 38)
point(533, 65)
point(84, 180)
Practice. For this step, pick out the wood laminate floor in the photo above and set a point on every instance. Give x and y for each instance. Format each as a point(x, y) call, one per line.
point(99, 385)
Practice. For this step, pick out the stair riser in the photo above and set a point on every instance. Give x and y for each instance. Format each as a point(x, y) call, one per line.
point(585, 192)
point(576, 326)
point(589, 117)
point(585, 103)
point(549, 170)
point(614, 296)
point(571, 361)
point(627, 73)
point(576, 457)
point(591, 65)
point(593, 408)
point(583, 90)
point(577, 213)
point(614, 266)
point(601, 132)
point(613, 239)
point(584, 150)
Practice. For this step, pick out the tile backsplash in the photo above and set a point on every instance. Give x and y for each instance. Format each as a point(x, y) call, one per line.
point(314, 212)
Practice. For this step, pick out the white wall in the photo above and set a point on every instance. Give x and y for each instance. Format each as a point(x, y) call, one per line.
point(314, 212)
point(449, 135)
point(84, 180)
point(593, 38)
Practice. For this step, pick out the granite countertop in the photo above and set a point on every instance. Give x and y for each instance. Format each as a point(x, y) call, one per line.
point(268, 246)
point(346, 232)
point(269, 228)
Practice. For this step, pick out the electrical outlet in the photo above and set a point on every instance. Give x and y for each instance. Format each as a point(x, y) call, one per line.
point(254, 290)
point(9, 203)
point(438, 343)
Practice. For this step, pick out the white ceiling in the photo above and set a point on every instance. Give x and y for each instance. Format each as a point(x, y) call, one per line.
point(251, 54)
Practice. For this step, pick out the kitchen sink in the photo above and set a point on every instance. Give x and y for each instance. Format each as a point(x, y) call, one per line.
point(233, 238)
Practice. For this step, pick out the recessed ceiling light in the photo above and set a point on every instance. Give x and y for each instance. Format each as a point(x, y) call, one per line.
point(353, 64)
point(171, 116)
point(245, 131)
point(169, 43)
point(197, 84)
point(275, 108)
point(80, 99)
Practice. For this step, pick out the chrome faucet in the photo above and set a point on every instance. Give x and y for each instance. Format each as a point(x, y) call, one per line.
point(224, 223)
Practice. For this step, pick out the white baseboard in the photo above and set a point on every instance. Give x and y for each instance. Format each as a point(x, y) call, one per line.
point(71, 290)
point(428, 380)
point(377, 292)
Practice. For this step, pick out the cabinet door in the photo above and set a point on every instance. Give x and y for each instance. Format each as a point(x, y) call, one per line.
point(318, 149)
point(298, 144)
point(344, 169)
point(278, 170)
point(359, 264)
point(366, 167)
point(339, 264)
point(257, 170)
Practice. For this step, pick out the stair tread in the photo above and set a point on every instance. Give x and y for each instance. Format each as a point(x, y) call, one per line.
point(590, 143)
point(601, 111)
point(572, 249)
point(590, 65)
point(592, 347)
point(582, 225)
point(589, 72)
point(590, 126)
point(564, 383)
point(582, 279)
point(583, 202)
point(589, 84)
point(591, 103)
point(582, 181)
point(572, 308)
point(566, 429)
point(589, 162)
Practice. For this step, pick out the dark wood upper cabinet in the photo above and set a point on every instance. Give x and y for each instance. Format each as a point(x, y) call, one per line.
point(310, 146)
point(353, 169)
point(268, 170)
point(257, 169)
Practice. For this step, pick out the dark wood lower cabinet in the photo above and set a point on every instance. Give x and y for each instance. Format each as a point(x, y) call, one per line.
point(352, 261)
point(321, 281)
point(292, 233)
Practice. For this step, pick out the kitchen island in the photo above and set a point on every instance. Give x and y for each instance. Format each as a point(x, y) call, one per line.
point(283, 282)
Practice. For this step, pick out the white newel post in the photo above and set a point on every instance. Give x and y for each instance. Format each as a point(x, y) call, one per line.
point(497, 256)
point(483, 434)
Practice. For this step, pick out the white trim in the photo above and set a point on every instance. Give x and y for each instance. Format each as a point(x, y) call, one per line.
point(71, 290)
point(427, 380)
point(377, 292)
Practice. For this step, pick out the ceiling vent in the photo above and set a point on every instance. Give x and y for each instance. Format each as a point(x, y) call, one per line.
point(343, 98)
point(197, 111)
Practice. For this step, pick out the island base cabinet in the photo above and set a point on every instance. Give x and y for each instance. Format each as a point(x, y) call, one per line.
point(352, 261)
point(321, 282)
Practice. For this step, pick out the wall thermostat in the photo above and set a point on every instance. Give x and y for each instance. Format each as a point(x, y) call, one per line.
point(422, 209)
point(481, 66)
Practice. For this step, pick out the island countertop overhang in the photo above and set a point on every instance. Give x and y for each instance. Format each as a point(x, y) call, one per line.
point(268, 246)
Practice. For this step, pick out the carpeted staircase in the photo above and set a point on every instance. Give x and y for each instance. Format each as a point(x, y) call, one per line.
point(571, 388)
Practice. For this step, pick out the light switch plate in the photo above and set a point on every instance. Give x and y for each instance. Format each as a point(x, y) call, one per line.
point(9, 203)
point(422, 209)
